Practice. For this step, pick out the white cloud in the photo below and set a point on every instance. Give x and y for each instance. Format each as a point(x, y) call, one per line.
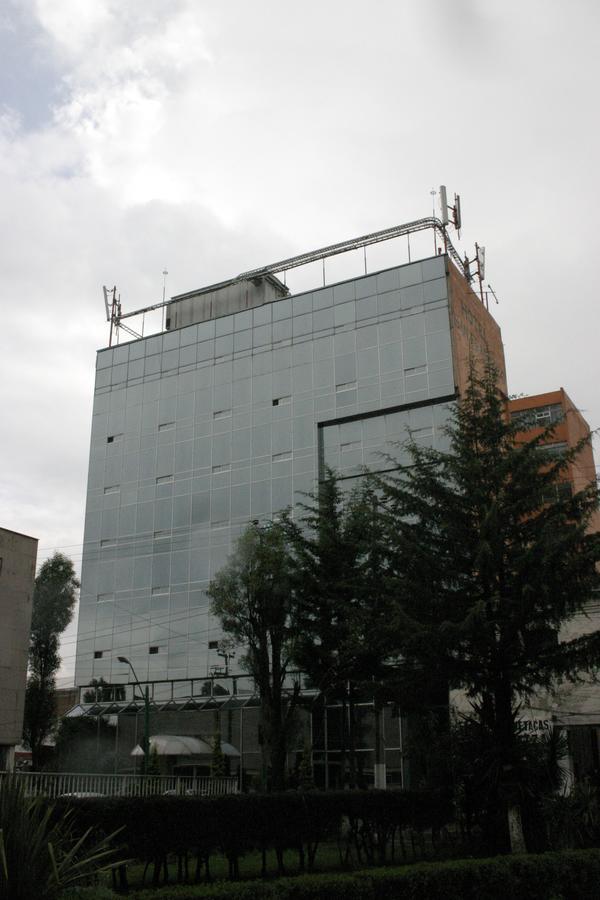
point(213, 137)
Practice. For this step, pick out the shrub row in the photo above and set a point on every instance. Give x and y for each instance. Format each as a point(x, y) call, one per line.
point(156, 827)
point(569, 875)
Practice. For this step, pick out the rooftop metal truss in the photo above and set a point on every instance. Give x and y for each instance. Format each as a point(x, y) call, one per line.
point(355, 244)
point(116, 316)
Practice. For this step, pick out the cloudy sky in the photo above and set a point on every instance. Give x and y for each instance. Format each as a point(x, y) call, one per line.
point(212, 137)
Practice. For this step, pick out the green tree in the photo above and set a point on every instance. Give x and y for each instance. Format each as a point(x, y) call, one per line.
point(485, 572)
point(84, 744)
point(54, 597)
point(252, 597)
point(340, 607)
point(100, 691)
point(218, 761)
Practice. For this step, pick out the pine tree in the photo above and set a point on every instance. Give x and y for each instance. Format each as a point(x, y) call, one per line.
point(340, 609)
point(252, 597)
point(218, 763)
point(485, 572)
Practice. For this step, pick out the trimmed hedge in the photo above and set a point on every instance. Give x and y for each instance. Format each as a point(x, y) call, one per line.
point(570, 875)
point(156, 827)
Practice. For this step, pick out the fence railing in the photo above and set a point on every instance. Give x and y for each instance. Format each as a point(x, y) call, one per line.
point(60, 784)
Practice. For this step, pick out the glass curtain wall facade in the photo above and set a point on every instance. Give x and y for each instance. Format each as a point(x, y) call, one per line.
point(198, 431)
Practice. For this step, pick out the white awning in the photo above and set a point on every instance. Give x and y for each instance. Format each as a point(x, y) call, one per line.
point(182, 745)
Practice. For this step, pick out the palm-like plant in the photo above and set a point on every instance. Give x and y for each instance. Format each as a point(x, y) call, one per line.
point(40, 852)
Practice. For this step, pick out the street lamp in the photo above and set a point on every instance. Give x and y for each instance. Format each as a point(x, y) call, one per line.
point(146, 696)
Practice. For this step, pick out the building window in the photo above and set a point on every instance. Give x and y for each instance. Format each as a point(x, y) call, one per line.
point(563, 490)
point(556, 449)
point(153, 650)
point(98, 654)
point(538, 416)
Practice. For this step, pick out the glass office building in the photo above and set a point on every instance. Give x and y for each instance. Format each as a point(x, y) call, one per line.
point(205, 427)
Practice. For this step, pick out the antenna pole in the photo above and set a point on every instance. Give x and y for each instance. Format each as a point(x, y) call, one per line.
point(113, 316)
point(433, 192)
point(164, 309)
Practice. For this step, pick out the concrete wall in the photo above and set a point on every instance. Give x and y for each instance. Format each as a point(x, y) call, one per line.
point(17, 573)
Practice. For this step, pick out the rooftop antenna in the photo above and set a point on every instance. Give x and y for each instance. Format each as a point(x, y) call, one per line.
point(164, 274)
point(112, 305)
point(480, 257)
point(433, 192)
point(445, 208)
point(112, 310)
point(479, 260)
point(493, 293)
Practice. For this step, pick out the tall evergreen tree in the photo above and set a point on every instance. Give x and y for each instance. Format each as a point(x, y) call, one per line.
point(252, 597)
point(485, 572)
point(340, 610)
point(54, 597)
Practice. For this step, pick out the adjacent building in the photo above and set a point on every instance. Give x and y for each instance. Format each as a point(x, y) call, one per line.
point(18, 554)
point(574, 706)
point(537, 412)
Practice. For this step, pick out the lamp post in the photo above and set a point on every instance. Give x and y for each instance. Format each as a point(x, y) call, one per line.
point(146, 696)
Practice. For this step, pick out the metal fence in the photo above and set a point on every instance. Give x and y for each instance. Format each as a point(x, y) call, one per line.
point(71, 784)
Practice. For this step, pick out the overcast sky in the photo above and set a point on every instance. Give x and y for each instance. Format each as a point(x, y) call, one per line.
point(214, 137)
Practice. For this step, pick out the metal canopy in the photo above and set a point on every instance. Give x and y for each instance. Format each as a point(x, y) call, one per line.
point(182, 745)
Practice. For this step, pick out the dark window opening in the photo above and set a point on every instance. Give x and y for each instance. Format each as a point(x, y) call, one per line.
point(213, 645)
point(556, 449)
point(98, 654)
point(538, 416)
point(153, 650)
point(110, 439)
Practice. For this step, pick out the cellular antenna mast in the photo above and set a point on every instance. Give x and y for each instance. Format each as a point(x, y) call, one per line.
point(112, 305)
point(445, 209)
point(165, 273)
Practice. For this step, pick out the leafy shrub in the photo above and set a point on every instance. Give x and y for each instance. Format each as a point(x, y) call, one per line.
point(572, 875)
point(155, 827)
point(40, 853)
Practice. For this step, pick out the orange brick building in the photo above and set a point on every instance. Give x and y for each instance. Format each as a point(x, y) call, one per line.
point(574, 706)
point(537, 412)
